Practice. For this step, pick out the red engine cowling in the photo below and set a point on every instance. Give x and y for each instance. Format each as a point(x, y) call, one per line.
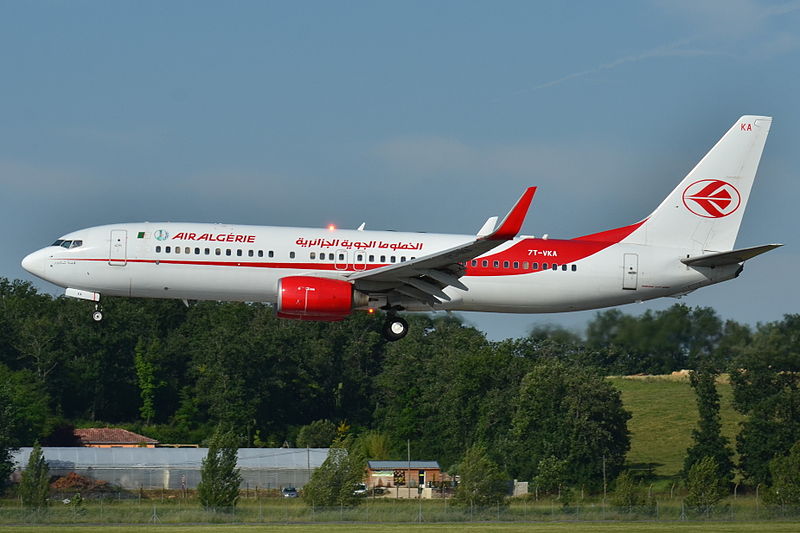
point(311, 298)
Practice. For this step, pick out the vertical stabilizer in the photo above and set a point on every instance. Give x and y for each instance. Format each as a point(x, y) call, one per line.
point(704, 212)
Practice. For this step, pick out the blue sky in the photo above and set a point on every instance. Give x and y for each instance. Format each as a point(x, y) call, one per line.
point(425, 116)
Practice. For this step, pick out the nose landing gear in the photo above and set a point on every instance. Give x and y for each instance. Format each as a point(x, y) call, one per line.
point(97, 316)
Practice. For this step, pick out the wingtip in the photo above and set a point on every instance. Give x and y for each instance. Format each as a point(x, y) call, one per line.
point(512, 223)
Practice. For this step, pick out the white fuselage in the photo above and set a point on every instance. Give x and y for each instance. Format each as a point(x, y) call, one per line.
point(244, 263)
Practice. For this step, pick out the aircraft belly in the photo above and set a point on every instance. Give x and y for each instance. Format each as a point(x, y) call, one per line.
point(204, 282)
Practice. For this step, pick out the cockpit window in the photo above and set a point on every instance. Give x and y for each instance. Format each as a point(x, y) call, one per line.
point(68, 244)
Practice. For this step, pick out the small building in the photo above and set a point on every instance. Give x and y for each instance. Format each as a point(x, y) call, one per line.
point(112, 438)
point(395, 473)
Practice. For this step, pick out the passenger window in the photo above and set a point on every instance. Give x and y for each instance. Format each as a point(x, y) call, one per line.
point(218, 251)
point(360, 257)
point(544, 266)
point(271, 253)
point(208, 251)
point(177, 249)
point(516, 264)
point(238, 253)
point(555, 266)
point(392, 259)
point(474, 263)
point(291, 255)
point(197, 251)
point(564, 268)
point(383, 259)
point(574, 268)
point(371, 258)
point(227, 251)
point(313, 255)
point(485, 263)
point(525, 265)
point(261, 253)
point(341, 257)
point(187, 250)
point(496, 264)
point(505, 264)
point(168, 249)
point(158, 249)
point(403, 259)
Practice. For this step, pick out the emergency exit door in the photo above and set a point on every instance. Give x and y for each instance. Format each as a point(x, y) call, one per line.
point(630, 274)
point(118, 253)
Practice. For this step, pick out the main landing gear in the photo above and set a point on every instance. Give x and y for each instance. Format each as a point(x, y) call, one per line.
point(395, 328)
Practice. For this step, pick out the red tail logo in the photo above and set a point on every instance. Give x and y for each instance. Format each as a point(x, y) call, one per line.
point(711, 198)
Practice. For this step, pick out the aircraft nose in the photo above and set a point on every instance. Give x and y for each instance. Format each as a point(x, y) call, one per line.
point(34, 263)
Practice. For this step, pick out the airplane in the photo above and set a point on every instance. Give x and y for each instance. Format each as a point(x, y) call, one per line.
point(686, 243)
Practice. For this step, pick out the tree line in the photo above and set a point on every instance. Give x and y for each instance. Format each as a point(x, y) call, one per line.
point(175, 373)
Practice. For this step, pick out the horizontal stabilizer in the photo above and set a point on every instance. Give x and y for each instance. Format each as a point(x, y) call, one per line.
point(728, 258)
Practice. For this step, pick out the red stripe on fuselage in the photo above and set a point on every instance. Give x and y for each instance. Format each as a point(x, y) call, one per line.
point(548, 251)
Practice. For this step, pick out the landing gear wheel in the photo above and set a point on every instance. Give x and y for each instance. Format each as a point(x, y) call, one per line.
point(97, 316)
point(395, 328)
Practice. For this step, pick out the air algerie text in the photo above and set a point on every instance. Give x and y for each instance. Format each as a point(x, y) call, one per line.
point(215, 237)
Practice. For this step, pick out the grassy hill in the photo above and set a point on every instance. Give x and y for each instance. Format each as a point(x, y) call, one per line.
point(664, 413)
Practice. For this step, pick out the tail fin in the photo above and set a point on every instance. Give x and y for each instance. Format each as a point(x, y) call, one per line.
point(704, 212)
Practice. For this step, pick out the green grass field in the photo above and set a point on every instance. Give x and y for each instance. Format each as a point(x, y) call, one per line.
point(664, 413)
point(627, 527)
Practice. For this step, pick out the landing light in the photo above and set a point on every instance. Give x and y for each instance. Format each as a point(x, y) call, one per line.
point(331, 227)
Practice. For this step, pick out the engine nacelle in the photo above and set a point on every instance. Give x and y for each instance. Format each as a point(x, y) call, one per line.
point(312, 298)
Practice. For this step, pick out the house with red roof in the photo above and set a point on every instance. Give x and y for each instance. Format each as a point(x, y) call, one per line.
point(112, 438)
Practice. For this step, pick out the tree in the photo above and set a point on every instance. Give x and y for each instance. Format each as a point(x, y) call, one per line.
point(218, 489)
point(628, 493)
point(317, 434)
point(785, 470)
point(572, 413)
point(551, 475)
point(375, 445)
point(333, 483)
point(766, 388)
point(708, 438)
point(482, 482)
point(705, 486)
point(34, 487)
point(145, 361)
point(7, 441)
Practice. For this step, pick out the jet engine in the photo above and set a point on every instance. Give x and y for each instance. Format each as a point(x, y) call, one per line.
point(313, 298)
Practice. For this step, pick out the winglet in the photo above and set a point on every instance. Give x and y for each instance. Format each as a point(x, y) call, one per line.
point(512, 223)
point(488, 227)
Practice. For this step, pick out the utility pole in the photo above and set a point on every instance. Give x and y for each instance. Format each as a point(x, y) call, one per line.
point(408, 474)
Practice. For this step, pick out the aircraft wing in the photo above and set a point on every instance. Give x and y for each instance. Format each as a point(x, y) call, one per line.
point(728, 258)
point(424, 278)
